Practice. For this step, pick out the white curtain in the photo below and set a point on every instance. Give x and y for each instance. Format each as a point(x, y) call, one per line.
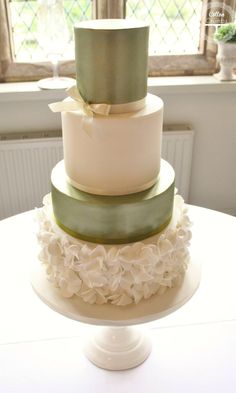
point(5, 39)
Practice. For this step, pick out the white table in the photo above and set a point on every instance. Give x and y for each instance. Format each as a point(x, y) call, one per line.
point(194, 349)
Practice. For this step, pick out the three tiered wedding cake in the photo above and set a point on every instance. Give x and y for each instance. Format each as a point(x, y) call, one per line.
point(113, 229)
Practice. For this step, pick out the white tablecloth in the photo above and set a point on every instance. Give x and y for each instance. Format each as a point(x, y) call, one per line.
point(194, 349)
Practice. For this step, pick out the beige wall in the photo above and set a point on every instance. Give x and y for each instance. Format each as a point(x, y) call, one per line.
point(213, 117)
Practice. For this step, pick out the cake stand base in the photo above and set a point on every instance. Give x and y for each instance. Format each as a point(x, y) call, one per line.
point(117, 346)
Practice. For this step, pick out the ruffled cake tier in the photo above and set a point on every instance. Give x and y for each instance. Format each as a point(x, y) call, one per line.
point(118, 274)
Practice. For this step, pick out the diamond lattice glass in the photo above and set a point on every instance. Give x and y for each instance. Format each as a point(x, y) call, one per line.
point(25, 20)
point(174, 24)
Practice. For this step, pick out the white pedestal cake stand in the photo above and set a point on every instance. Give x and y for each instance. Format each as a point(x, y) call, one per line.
point(117, 346)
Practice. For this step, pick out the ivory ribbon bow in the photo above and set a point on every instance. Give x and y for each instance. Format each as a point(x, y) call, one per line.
point(78, 103)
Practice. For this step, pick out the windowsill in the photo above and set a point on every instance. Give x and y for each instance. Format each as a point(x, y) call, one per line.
point(190, 84)
point(156, 85)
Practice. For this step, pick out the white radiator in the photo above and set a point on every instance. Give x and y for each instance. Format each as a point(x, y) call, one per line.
point(25, 170)
point(177, 148)
point(26, 165)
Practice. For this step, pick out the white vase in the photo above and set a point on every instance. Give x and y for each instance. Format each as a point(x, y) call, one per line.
point(226, 57)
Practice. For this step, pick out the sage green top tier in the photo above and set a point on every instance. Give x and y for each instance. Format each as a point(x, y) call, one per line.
point(111, 60)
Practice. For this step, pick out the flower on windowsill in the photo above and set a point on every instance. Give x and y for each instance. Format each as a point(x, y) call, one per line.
point(226, 33)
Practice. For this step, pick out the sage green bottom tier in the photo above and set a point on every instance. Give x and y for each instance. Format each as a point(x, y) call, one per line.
point(113, 219)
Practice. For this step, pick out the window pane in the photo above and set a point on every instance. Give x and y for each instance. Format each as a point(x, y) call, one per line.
point(29, 19)
point(174, 24)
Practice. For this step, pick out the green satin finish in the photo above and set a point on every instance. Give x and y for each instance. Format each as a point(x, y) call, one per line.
point(112, 65)
point(118, 241)
point(113, 219)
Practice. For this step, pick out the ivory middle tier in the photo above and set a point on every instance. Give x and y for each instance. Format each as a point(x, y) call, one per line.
point(117, 154)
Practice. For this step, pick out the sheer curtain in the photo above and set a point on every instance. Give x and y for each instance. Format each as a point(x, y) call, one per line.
point(5, 39)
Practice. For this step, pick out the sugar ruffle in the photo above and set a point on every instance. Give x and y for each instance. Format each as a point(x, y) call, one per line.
point(119, 274)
